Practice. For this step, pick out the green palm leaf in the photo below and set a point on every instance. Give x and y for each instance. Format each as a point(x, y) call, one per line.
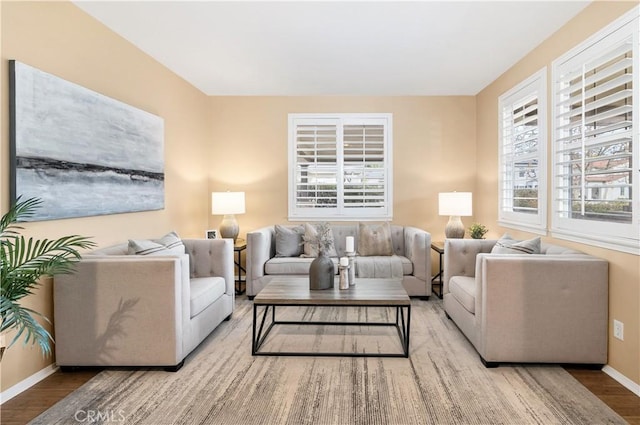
point(23, 262)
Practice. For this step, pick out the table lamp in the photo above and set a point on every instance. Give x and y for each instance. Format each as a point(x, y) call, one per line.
point(454, 204)
point(228, 204)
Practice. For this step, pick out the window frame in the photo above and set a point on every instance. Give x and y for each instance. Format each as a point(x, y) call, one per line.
point(340, 213)
point(624, 237)
point(535, 85)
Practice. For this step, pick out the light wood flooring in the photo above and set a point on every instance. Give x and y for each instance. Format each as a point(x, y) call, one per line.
point(29, 404)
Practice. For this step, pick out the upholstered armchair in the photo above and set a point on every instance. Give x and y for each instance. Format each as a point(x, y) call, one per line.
point(549, 307)
point(119, 309)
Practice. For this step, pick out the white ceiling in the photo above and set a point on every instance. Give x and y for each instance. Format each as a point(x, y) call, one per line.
point(335, 47)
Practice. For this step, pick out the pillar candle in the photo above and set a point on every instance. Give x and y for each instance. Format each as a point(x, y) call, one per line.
point(344, 261)
point(350, 244)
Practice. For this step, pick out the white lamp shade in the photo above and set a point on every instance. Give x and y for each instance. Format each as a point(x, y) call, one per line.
point(227, 203)
point(455, 203)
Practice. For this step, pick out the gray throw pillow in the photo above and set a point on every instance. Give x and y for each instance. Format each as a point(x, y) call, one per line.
point(144, 247)
point(374, 239)
point(507, 245)
point(288, 241)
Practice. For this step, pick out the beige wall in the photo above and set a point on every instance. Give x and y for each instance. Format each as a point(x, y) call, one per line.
point(61, 39)
point(433, 151)
point(624, 271)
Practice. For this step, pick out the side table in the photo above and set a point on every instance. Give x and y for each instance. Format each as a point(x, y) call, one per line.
point(239, 246)
point(438, 246)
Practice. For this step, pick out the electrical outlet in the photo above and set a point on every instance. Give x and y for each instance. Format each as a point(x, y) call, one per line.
point(618, 330)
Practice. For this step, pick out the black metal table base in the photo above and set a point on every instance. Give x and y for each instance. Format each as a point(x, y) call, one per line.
point(260, 333)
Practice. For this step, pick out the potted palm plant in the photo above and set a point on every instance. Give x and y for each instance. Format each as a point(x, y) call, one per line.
point(23, 262)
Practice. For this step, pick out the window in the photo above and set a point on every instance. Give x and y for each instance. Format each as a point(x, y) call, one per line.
point(595, 139)
point(522, 155)
point(340, 166)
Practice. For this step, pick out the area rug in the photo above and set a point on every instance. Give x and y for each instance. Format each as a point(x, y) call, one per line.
point(442, 382)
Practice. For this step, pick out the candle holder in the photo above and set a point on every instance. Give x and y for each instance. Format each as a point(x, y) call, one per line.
point(352, 268)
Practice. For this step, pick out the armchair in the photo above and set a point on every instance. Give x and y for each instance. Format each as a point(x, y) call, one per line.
point(550, 307)
point(142, 310)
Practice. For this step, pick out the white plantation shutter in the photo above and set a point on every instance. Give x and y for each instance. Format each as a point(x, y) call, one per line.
point(522, 155)
point(595, 173)
point(340, 166)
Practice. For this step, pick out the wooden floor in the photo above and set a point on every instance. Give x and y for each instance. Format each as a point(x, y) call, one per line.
point(29, 404)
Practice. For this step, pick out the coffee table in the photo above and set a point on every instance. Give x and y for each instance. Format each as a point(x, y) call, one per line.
point(294, 291)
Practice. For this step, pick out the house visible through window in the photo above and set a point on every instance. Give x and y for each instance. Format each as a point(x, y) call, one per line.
point(595, 139)
point(340, 166)
point(522, 155)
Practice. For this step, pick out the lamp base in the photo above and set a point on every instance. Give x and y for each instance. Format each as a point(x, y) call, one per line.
point(229, 228)
point(454, 228)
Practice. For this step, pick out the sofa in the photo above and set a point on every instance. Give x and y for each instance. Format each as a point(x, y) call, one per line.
point(550, 306)
point(410, 258)
point(150, 307)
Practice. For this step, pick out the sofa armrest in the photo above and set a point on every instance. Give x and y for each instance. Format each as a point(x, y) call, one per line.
point(460, 258)
point(531, 305)
point(418, 249)
point(120, 310)
point(212, 257)
point(260, 248)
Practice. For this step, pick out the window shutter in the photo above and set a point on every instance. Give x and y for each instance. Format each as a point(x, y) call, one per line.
point(364, 172)
point(316, 166)
point(594, 136)
point(522, 155)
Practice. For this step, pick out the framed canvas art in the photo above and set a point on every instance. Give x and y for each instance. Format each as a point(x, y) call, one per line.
point(81, 152)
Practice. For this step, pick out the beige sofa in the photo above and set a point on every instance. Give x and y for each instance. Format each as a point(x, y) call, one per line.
point(550, 307)
point(410, 245)
point(142, 310)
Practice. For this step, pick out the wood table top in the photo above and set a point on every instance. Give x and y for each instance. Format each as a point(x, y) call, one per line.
point(295, 291)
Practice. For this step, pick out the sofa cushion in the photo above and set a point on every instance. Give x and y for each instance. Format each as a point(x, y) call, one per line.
point(292, 265)
point(288, 241)
point(374, 239)
point(463, 289)
point(507, 245)
point(171, 240)
point(204, 292)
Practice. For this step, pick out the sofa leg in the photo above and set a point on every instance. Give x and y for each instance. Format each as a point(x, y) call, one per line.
point(251, 297)
point(226, 319)
point(174, 368)
point(425, 298)
point(67, 369)
point(489, 365)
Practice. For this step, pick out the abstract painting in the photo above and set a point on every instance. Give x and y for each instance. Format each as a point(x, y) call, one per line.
point(80, 152)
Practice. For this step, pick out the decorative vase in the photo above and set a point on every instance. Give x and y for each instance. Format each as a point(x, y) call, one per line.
point(321, 272)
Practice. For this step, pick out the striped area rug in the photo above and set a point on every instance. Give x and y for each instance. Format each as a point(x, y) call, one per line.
point(442, 382)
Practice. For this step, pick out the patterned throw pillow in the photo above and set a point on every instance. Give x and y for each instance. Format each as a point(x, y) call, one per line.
point(374, 239)
point(288, 241)
point(144, 247)
point(507, 245)
point(310, 250)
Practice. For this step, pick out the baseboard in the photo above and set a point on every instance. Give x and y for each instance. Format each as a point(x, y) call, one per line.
point(623, 380)
point(25, 384)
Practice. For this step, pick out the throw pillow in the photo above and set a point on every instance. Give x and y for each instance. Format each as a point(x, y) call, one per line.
point(172, 242)
point(311, 250)
point(507, 245)
point(288, 241)
point(144, 247)
point(374, 239)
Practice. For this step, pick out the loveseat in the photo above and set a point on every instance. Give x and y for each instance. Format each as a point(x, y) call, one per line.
point(143, 306)
point(515, 306)
point(410, 259)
